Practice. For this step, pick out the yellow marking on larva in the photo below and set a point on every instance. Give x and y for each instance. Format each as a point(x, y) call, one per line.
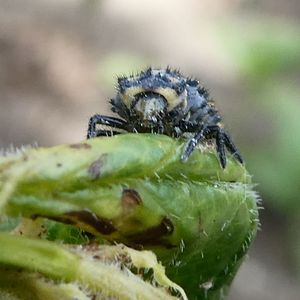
point(171, 96)
point(168, 93)
point(129, 93)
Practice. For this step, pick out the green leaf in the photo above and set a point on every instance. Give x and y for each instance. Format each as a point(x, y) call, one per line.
point(198, 218)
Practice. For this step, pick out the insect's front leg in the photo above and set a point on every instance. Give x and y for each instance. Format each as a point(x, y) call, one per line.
point(208, 132)
point(220, 144)
point(192, 143)
point(100, 132)
point(104, 120)
point(232, 148)
point(216, 132)
point(223, 140)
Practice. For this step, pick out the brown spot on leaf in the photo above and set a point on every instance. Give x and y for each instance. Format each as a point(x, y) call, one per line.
point(80, 146)
point(94, 169)
point(130, 198)
point(84, 217)
point(154, 235)
point(101, 225)
point(59, 165)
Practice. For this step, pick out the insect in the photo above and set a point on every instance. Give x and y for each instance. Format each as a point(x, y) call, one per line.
point(163, 101)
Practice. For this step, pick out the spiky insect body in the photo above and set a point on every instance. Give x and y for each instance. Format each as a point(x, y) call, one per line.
point(164, 101)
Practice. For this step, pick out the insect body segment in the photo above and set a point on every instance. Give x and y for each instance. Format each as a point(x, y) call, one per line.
point(164, 101)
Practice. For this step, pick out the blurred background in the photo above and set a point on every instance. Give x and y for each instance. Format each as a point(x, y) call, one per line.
point(59, 60)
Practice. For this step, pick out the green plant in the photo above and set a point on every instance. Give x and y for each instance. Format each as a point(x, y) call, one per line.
point(198, 218)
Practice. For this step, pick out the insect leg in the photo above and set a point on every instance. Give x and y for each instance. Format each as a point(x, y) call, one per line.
point(232, 148)
point(192, 143)
point(220, 143)
point(216, 132)
point(101, 132)
point(223, 139)
point(104, 120)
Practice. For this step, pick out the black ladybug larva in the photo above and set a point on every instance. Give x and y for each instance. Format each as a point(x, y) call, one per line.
point(163, 101)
